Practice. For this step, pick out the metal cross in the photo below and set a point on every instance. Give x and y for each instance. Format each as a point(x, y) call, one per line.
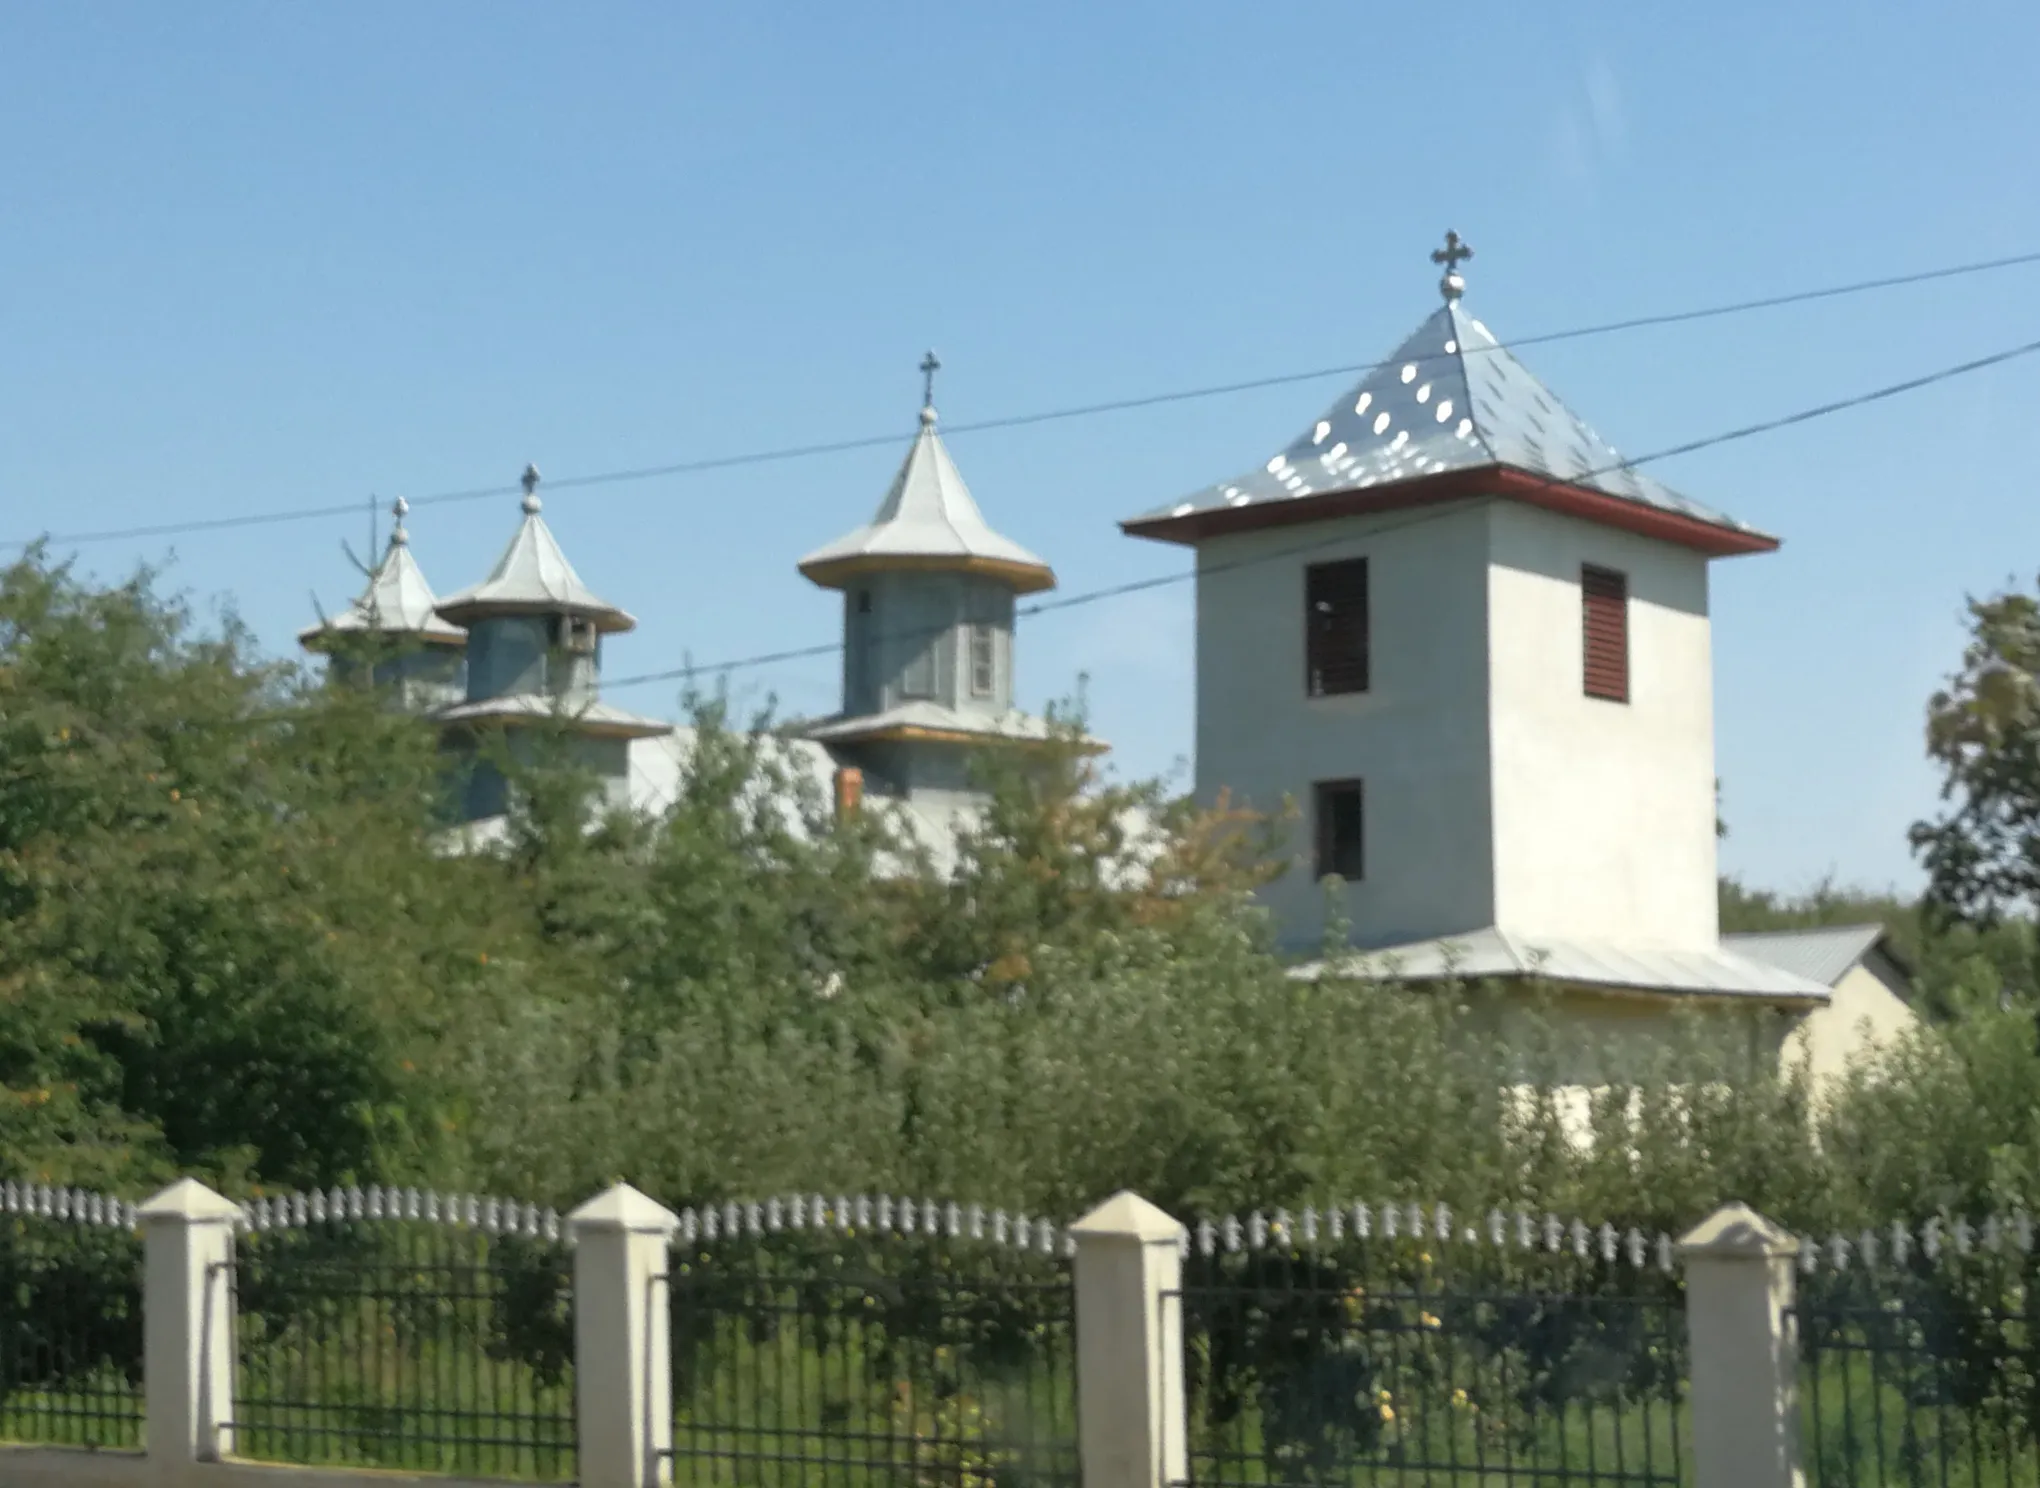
point(930, 365)
point(1452, 255)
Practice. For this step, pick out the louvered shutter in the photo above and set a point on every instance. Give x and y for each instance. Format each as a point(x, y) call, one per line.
point(1604, 607)
point(1335, 627)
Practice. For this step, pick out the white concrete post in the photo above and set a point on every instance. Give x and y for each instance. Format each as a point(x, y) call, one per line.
point(622, 1327)
point(1130, 1408)
point(1745, 1348)
point(187, 1325)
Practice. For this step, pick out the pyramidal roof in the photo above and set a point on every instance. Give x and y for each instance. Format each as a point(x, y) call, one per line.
point(928, 520)
point(1450, 399)
point(397, 600)
point(533, 577)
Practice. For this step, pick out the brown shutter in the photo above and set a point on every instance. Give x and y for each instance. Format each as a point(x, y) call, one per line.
point(1605, 610)
point(1335, 627)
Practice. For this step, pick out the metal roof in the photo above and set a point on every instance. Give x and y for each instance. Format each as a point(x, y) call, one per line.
point(1450, 398)
point(397, 600)
point(927, 717)
point(1823, 955)
point(1498, 953)
point(533, 577)
point(520, 707)
point(928, 519)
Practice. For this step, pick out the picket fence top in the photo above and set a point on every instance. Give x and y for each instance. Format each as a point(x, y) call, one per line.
point(1519, 1230)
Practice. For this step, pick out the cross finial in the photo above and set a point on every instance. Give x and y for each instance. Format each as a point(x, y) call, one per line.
point(530, 481)
point(1452, 255)
point(930, 365)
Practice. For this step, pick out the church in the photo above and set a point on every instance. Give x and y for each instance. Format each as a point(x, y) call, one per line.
point(1447, 622)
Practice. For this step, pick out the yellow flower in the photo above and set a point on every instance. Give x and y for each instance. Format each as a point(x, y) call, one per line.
point(1383, 1396)
point(1428, 1319)
point(1459, 1397)
point(1388, 1413)
point(173, 793)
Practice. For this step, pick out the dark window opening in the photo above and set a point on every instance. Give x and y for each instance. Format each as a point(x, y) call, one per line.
point(1341, 830)
point(1604, 611)
point(864, 601)
point(1335, 627)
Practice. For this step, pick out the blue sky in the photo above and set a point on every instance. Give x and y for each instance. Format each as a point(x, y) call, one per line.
point(261, 257)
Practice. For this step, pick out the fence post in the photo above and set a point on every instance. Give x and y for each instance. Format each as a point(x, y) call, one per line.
point(1745, 1351)
point(622, 1339)
point(1130, 1409)
point(187, 1325)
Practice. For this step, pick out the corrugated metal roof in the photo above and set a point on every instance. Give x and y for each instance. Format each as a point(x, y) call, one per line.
point(928, 515)
point(1497, 953)
point(397, 600)
point(1450, 398)
point(1824, 954)
point(534, 577)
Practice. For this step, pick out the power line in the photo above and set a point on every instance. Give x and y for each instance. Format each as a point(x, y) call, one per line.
point(1015, 421)
point(1137, 586)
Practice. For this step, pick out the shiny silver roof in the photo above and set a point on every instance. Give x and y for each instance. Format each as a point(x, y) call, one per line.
point(1450, 398)
point(397, 600)
point(927, 517)
point(533, 577)
point(1824, 954)
point(1497, 953)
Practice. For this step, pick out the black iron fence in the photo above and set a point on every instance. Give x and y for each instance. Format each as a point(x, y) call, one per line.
point(405, 1344)
point(1922, 1374)
point(70, 1330)
point(821, 1358)
point(1372, 1363)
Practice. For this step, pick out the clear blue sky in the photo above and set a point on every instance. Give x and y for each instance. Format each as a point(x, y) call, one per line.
point(259, 256)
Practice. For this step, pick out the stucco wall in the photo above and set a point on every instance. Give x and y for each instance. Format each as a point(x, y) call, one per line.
point(1604, 811)
point(506, 654)
point(914, 614)
point(1417, 738)
point(1868, 1011)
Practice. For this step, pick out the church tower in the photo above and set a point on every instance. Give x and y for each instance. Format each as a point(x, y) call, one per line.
point(534, 638)
point(1470, 644)
point(928, 603)
point(391, 633)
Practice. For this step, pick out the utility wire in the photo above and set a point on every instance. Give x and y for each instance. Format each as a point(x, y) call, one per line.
point(1015, 421)
point(1137, 586)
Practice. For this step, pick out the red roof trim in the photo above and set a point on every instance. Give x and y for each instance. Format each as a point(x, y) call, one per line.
point(1458, 485)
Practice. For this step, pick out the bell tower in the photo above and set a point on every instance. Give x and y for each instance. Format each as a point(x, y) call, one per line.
point(929, 591)
point(1470, 643)
point(535, 639)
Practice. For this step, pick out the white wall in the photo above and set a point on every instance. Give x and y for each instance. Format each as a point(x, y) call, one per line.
point(1418, 737)
point(1867, 1012)
point(1497, 792)
point(1604, 811)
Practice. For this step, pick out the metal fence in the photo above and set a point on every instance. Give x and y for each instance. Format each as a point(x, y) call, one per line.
point(1928, 1374)
point(1372, 1363)
point(70, 1321)
point(404, 1343)
point(819, 1358)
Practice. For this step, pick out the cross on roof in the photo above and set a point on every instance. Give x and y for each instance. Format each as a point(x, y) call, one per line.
point(930, 365)
point(1452, 255)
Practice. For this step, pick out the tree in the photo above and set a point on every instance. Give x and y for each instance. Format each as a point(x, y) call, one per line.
point(225, 939)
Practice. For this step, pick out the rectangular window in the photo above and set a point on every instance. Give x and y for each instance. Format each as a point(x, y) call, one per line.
point(982, 664)
point(1335, 627)
point(1341, 834)
point(1604, 609)
point(576, 635)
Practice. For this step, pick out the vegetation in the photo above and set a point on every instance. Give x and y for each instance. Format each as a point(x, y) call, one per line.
point(233, 943)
